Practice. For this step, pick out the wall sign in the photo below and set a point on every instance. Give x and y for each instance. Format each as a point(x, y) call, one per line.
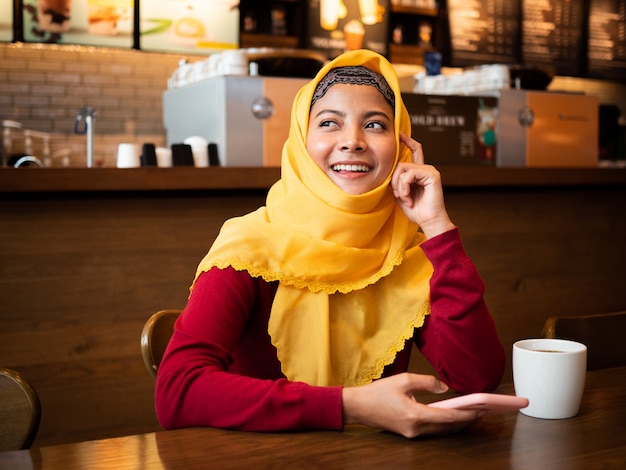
point(201, 26)
point(607, 39)
point(483, 32)
point(552, 35)
point(87, 22)
point(336, 26)
point(6, 20)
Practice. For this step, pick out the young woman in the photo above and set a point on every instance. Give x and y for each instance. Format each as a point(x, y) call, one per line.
point(303, 313)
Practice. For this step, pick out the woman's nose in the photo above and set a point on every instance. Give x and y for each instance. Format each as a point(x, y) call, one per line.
point(353, 141)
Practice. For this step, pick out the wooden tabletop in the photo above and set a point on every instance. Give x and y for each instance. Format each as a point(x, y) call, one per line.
point(71, 180)
point(596, 438)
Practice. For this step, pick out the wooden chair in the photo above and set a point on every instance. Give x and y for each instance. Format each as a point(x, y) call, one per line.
point(20, 411)
point(603, 334)
point(155, 335)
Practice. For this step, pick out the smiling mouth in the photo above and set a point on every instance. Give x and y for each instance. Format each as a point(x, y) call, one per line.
point(345, 167)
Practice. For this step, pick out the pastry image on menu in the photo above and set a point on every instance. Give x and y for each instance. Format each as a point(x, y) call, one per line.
point(54, 15)
point(104, 15)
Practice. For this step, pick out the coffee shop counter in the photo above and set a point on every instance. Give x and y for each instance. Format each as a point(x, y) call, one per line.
point(54, 180)
point(86, 255)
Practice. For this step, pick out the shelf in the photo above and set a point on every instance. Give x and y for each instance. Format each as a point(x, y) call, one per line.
point(433, 12)
point(412, 31)
point(406, 54)
point(271, 23)
point(267, 40)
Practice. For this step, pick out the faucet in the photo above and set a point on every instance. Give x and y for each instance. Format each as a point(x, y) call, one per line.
point(88, 114)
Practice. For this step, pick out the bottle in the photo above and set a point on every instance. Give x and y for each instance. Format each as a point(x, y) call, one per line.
point(397, 34)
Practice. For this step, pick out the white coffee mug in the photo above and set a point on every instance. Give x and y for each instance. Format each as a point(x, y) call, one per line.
point(551, 374)
point(128, 155)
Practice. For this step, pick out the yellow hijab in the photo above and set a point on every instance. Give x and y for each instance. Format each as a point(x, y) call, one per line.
point(353, 281)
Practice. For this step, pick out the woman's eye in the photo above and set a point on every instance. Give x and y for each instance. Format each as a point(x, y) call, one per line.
point(327, 123)
point(375, 125)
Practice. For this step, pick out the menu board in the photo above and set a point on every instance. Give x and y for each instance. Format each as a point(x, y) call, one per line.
point(192, 26)
point(483, 31)
point(336, 26)
point(552, 35)
point(6, 20)
point(88, 22)
point(607, 40)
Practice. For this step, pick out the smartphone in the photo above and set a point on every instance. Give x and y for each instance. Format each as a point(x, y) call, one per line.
point(483, 401)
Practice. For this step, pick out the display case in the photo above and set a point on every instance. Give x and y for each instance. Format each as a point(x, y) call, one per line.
point(413, 30)
point(276, 23)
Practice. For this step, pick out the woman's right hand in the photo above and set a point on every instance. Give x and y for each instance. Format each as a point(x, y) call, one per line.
point(389, 404)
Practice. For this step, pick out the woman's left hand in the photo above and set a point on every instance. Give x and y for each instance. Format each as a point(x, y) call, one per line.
point(418, 191)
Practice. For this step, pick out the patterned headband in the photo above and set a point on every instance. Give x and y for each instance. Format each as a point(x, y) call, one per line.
point(354, 75)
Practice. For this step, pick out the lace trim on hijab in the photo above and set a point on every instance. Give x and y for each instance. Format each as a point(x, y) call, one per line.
point(399, 345)
point(354, 75)
point(313, 286)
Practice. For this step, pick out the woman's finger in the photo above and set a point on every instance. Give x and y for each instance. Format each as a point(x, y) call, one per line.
point(415, 147)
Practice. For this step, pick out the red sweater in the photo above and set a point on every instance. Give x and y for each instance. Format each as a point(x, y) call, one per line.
point(220, 368)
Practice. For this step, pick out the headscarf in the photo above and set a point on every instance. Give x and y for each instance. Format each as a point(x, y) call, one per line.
point(353, 281)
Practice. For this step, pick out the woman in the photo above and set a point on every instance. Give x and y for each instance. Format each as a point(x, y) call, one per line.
point(303, 313)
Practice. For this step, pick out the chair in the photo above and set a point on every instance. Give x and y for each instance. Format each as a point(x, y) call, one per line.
point(603, 334)
point(20, 411)
point(155, 335)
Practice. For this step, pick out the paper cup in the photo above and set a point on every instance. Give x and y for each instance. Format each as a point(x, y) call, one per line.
point(128, 155)
point(551, 374)
point(200, 150)
point(164, 157)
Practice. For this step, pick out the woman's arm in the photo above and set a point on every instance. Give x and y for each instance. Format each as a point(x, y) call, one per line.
point(459, 337)
point(221, 332)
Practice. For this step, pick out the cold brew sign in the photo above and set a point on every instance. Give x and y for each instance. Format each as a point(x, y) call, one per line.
point(336, 26)
point(454, 130)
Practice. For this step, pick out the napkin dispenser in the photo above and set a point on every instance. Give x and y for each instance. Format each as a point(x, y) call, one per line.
point(547, 129)
point(246, 118)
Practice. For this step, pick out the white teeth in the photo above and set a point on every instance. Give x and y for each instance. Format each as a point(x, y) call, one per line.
point(345, 167)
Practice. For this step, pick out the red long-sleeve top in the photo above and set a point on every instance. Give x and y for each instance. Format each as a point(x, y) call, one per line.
point(220, 368)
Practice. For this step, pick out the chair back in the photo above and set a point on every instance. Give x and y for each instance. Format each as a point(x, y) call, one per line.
point(603, 334)
point(20, 411)
point(155, 335)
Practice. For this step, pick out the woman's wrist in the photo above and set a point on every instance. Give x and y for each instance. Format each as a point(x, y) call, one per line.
point(437, 227)
point(349, 404)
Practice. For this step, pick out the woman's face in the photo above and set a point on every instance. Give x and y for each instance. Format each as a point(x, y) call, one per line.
point(351, 137)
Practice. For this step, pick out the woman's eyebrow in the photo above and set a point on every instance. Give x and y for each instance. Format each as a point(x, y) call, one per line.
point(330, 111)
point(367, 114)
point(377, 113)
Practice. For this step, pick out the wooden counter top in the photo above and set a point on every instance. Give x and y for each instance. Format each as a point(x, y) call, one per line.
point(51, 180)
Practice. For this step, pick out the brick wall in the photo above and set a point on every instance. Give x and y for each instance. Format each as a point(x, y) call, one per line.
point(42, 86)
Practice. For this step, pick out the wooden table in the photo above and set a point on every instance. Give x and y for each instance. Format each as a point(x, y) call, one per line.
point(596, 438)
point(100, 250)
